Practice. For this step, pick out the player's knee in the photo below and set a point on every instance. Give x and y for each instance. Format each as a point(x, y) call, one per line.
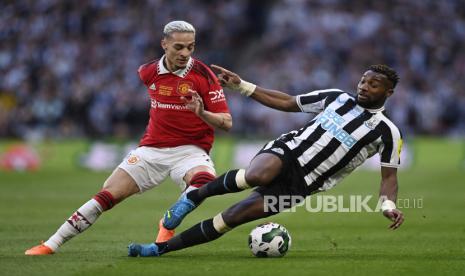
point(231, 218)
point(256, 177)
point(245, 211)
point(120, 185)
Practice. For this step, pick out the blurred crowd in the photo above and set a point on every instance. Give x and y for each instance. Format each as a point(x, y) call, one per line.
point(69, 68)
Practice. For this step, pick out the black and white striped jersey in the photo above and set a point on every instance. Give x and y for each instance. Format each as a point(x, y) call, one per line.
point(340, 138)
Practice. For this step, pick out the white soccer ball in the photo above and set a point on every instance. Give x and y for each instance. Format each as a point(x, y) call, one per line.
point(269, 240)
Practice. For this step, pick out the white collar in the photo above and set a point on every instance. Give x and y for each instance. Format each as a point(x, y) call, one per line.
point(161, 69)
point(375, 110)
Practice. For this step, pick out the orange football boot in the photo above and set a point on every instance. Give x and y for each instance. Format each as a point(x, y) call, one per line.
point(163, 233)
point(41, 249)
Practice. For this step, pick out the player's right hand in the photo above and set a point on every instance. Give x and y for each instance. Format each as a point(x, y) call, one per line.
point(227, 78)
point(194, 102)
point(396, 216)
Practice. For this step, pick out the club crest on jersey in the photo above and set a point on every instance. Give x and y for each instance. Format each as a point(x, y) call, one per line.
point(183, 87)
point(372, 123)
point(153, 87)
point(132, 159)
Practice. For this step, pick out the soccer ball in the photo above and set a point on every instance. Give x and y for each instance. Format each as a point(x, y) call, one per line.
point(269, 240)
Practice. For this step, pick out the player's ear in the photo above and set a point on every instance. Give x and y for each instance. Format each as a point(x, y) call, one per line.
point(389, 92)
point(164, 44)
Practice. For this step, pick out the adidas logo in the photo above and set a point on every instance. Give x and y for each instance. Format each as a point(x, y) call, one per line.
point(153, 87)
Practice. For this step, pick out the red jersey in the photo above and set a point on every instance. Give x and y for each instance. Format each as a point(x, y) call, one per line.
point(171, 124)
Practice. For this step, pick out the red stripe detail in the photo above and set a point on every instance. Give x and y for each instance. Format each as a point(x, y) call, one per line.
point(105, 199)
point(203, 173)
point(201, 178)
point(101, 201)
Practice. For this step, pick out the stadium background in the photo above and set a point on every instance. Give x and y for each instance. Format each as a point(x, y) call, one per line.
point(68, 82)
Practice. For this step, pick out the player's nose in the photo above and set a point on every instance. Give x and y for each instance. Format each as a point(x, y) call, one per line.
point(363, 87)
point(185, 53)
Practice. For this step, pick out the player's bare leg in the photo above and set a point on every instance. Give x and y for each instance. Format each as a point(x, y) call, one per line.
point(196, 178)
point(116, 188)
point(249, 209)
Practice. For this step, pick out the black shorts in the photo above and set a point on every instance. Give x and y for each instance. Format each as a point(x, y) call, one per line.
point(290, 182)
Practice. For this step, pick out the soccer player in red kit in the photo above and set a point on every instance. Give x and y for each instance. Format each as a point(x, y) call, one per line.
point(187, 103)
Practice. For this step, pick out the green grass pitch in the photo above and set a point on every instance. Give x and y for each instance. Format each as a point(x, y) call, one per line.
point(431, 241)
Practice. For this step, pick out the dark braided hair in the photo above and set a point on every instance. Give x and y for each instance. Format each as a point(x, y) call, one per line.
point(390, 73)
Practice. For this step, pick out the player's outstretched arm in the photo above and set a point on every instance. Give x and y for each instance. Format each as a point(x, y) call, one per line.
point(388, 192)
point(271, 98)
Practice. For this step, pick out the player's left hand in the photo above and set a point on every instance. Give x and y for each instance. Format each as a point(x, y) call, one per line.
point(194, 102)
point(396, 216)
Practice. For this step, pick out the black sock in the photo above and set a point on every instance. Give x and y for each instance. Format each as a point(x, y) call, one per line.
point(162, 247)
point(200, 233)
point(224, 184)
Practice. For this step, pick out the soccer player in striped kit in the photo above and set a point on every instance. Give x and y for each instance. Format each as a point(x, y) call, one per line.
point(187, 104)
point(345, 132)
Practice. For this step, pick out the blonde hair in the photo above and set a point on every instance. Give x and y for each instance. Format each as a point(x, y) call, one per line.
point(178, 26)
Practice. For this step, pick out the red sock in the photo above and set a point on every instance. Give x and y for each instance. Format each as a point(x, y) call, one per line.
point(201, 178)
point(105, 199)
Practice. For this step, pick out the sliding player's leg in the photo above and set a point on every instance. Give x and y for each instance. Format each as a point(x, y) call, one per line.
point(247, 210)
point(261, 171)
point(278, 175)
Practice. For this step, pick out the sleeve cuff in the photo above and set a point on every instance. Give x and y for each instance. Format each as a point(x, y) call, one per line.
point(297, 99)
point(396, 166)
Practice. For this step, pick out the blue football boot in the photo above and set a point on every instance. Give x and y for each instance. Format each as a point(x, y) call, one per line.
point(176, 213)
point(143, 250)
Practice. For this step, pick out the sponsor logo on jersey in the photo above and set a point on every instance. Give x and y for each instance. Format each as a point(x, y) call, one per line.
point(332, 123)
point(155, 104)
point(217, 96)
point(356, 111)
